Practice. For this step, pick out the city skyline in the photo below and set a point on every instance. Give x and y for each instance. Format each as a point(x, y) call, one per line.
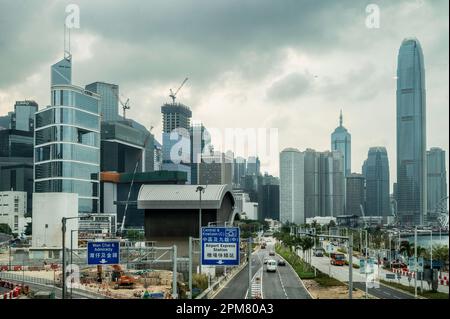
point(302, 78)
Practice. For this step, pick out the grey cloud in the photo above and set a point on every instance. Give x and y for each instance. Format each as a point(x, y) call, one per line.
point(290, 87)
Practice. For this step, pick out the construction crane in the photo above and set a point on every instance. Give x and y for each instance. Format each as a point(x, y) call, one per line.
point(173, 95)
point(363, 215)
point(122, 225)
point(125, 106)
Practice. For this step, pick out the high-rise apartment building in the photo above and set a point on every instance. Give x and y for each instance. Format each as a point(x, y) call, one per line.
point(436, 182)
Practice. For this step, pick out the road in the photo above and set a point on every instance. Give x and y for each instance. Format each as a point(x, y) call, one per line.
point(282, 284)
point(359, 280)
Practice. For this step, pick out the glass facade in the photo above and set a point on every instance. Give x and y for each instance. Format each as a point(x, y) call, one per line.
point(67, 142)
point(376, 173)
point(436, 181)
point(109, 103)
point(341, 140)
point(411, 134)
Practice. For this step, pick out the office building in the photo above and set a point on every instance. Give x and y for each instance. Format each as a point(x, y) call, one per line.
point(18, 177)
point(253, 166)
point(376, 173)
point(176, 139)
point(341, 140)
point(355, 194)
point(436, 182)
point(199, 143)
point(123, 146)
point(109, 101)
point(157, 155)
point(13, 208)
point(292, 186)
point(67, 141)
point(324, 183)
point(215, 169)
point(22, 119)
point(411, 134)
point(239, 171)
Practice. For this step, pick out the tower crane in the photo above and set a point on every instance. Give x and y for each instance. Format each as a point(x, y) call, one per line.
point(125, 106)
point(173, 95)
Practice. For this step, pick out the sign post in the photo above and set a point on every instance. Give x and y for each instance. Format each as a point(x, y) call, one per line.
point(220, 246)
point(103, 253)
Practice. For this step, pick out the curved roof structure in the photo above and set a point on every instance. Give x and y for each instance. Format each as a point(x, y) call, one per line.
point(181, 196)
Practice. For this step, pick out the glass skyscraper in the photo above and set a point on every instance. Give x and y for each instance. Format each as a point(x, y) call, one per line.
point(376, 172)
point(109, 102)
point(67, 140)
point(341, 140)
point(436, 181)
point(411, 134)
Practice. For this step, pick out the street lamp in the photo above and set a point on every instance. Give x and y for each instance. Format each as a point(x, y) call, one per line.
point(71, 254)
point(63, 233)
point(200, 189)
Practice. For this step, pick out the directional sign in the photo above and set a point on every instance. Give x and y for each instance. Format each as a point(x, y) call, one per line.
point(411, 264)
point(390, 276)
point(420, 263)
point(220, 246)
point(370, 264)
point(362, 266)
point(103, 252)
point(329, 248)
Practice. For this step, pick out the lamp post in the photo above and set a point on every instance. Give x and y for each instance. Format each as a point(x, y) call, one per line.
point(71, 254)
point(63, 233)
point(200, 190)
point(415, 262)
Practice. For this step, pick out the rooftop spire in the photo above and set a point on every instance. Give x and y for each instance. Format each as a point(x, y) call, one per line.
point(340, 119)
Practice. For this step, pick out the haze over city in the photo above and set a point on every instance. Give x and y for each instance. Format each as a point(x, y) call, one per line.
point(286, 69)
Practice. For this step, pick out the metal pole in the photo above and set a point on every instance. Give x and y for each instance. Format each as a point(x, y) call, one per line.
point(415, 261)
point(190, 267)
point(200, 230)
point(431, 252)
point(249, 268)
point(365, 265)
point(350, 271)
point(9, 246)
point(174, 281)
point(71, 257)
point(63, 231)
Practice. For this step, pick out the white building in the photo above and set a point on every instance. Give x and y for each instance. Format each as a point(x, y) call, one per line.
point(292, 193)
point(48, 211)
point(13, 206)
point(243, 205)
point(320, 220)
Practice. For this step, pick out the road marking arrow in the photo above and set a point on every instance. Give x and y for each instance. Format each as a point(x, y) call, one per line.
point(220, 262)
point(103, 261)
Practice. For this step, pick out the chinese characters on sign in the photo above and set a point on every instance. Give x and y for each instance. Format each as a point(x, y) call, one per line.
point(103, 253)
point(220, 246)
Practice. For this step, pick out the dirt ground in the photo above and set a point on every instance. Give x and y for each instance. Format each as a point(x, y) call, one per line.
point(336, 292)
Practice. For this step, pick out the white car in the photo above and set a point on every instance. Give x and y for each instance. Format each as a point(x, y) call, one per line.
point(271, 265)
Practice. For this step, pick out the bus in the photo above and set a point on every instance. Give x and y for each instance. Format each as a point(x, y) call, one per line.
point(337, 259)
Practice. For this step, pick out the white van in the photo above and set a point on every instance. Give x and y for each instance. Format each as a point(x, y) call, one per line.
point(271, 265)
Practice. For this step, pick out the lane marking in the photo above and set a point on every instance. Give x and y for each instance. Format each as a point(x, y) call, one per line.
point(282, 285)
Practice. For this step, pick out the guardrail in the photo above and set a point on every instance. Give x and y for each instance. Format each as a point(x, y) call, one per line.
point(206, 294)
point(23, 278)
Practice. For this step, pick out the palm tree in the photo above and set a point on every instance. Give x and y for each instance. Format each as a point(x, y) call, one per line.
point(440, 253)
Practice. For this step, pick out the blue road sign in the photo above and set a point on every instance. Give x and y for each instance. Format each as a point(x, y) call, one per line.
point(220, 246)
point(103, 252)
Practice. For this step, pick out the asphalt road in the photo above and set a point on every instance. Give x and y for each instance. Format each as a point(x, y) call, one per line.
point(383, 292)
point(282, 284)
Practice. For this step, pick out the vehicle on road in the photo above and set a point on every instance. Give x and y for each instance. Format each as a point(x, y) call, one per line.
point(263, 246)
point(281, 262)
point(337, 259)
point(272, 253)
point(271, 265)
point(319, 252)
point(265, 260)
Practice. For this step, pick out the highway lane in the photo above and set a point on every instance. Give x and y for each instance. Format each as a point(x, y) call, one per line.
point(282, 284)
point(237, 287)
point(384, 292)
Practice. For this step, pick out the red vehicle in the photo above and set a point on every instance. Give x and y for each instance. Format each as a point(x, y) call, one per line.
point(337, 259)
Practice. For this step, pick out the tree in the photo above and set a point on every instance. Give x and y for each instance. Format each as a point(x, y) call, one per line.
point(4, 228)
point(440, 253)
point(135, 235)
point(28, 229)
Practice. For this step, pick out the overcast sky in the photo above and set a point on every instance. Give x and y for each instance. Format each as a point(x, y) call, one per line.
point(290, 65)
